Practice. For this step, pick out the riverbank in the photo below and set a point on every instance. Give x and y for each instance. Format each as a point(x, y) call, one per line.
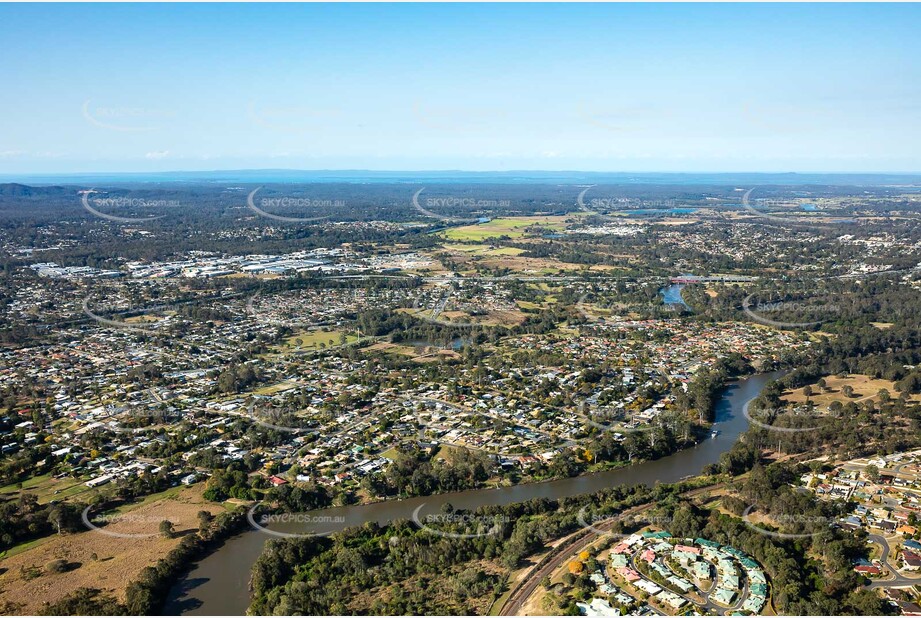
point(109, 559)
point(219, 584)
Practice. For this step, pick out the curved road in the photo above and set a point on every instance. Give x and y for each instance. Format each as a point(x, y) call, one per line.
point(558, 555)
point(896, 580)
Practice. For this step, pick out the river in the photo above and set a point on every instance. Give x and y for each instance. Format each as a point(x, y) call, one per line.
point(672, 296)
point(219, 584)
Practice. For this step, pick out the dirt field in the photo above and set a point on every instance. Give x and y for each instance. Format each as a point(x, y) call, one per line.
point(428, 354)
point(543, 266)
point(117, 562)
point(497, 317)
point(478, 249)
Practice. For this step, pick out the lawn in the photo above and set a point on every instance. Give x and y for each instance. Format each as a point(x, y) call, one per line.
point(45, 486)
point(316, 340)
point(513, 227)
point(526, 304)
point(273, 389)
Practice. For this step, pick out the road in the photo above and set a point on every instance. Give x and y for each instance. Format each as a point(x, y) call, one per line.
point(896, 580)
point(707, 606)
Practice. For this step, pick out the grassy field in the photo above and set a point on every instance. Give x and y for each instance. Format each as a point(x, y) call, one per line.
point(526, 304)
point(272, 389)
point(513, 227)
point(510, 317)
point(47, 488)
point(99, 560)
point(481, 249)
point(865, 388)
point(316, 339)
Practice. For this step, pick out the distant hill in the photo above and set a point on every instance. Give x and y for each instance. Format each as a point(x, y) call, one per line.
point(284, 176)
point(13, 189)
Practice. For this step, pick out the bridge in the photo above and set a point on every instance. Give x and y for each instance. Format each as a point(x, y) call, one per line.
point(688, 279)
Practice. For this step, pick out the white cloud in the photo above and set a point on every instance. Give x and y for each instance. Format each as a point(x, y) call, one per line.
point(156, 155)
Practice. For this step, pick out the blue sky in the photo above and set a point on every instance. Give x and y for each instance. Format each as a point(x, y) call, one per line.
point(612, 87)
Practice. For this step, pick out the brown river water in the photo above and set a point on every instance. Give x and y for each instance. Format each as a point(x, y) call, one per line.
point(219, 583)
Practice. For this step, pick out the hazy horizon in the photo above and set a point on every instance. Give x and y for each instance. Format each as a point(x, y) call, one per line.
point(594, 87)
point(576, 177)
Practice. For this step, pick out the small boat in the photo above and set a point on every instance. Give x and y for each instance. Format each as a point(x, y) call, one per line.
point(714, 433)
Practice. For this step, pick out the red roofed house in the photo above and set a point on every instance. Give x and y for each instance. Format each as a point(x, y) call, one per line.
point(629, 574)
point(910, 560)
point(864, 567)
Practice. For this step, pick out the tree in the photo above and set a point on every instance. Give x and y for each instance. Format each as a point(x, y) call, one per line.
point(167, 530)
point(58, 517)
point(872, 473)
point(204, 520)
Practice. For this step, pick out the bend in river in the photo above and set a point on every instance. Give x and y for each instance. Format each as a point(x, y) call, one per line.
point(219, 584)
